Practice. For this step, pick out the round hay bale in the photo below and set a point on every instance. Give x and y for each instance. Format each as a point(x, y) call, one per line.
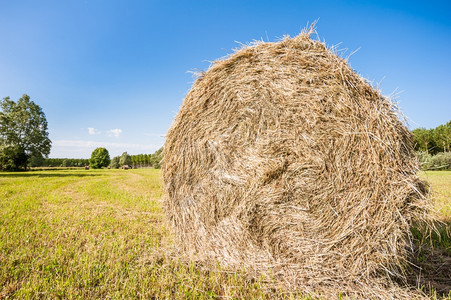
point(282, 157)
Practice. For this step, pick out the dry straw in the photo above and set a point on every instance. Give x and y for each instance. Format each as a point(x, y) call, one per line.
point(282, 158)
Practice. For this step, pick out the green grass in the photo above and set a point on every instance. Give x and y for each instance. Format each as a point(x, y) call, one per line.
point(440, 182)
point(100, 234)
point(441, 191)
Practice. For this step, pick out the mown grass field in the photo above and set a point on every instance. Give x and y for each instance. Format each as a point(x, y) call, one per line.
point(100, 234)
point(440, 182)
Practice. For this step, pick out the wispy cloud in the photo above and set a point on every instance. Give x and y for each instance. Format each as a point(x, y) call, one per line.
point(114, 132)
point(93, 131)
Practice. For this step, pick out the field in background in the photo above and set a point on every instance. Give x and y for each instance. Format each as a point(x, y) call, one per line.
point(100, 234)
point(441, 191)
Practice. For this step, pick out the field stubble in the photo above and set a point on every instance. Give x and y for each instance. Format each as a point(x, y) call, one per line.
point(101, 234)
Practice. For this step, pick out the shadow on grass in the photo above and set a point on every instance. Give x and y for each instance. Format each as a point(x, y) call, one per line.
point(431, 261)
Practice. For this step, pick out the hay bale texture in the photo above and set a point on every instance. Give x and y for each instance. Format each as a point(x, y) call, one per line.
point(283, 158)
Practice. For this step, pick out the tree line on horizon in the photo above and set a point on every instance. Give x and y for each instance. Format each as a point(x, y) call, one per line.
point(138, 160)
point(434, 140)
point(133, 161)
point(24, 143)
point(100, 158)
point(433, 147)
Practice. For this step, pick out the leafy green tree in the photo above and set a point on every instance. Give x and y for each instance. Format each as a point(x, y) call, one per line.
point(23, 133)
point(65, 163)
point(115, 163)
point(99, 158)
point(125, 159)
point(36, 161)
point(12, 158)
point(423, 139)
point(141, 160)
point(133, 158)
point(157, 157)
point(442, 137)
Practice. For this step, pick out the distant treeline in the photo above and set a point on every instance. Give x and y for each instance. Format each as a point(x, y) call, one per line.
point(138, 160)
point(147, 160)
point(433, 147)
point(133, 161)
point(58, 162)
point(434, 140)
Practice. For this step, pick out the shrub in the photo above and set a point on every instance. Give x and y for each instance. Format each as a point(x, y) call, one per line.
point(424, 159)
point(441, 161)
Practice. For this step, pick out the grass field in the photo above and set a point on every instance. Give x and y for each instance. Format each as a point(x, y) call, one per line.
point(441, 191)
point(100, 234)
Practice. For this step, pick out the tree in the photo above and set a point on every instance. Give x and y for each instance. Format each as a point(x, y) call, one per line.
point(133, 158)
point(65, 163)
point(115, 163)
point(36, 161)
point(442, 137)
point(12, 158)
point(125, 159)
point(423, 138)
point(99, 158)
point(147, 158)
point(157, 158)
point(23, 133)
point(141, 160)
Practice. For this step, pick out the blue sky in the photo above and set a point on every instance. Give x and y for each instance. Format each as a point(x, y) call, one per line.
point(114, 73)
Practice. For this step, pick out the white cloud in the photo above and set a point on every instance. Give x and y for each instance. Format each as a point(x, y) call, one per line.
point(93, 131)
point(114, 132)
